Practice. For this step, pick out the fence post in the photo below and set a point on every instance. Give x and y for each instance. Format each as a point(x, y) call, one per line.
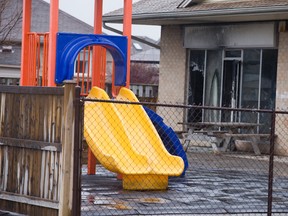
point(68, 142)
point(76, 209)
point(271, 164)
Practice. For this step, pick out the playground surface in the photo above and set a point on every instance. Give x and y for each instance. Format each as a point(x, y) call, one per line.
point(214, 184)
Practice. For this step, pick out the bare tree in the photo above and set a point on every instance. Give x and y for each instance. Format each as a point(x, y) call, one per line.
point(10, 17)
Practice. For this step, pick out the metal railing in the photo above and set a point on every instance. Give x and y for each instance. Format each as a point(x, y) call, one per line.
point(38, 58)
point(84, 68)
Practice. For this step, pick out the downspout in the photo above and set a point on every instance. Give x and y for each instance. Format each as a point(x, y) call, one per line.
point(133, 37)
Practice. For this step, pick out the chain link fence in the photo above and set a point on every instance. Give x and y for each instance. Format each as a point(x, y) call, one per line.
point(161, 159)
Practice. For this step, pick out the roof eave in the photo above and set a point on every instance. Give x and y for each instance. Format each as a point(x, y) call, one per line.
point(233, 15)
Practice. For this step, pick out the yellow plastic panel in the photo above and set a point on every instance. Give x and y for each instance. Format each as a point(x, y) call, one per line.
point(107, 139)
point(124, 140)
point(145, 182)
point(144, 137)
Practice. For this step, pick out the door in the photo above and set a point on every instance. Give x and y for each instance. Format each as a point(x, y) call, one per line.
point(231, 88)
point(196, 82)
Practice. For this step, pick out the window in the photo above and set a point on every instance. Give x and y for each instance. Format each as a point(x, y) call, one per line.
point(9, 81)
point(137, 46)
point(7, 49)
point(233, 53)
point(81, 66)
point(188, 3)
point(242, 78)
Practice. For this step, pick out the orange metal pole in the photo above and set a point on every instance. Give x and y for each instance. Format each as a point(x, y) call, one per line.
point(26, 24)
point(54, 9)
point(103, 67)
point(88, 71)
point(83, 69)
point(115, 90)
point(45, 59)
point(96, 67)
point(127, 30)
point(38, 58)
point(33, 72)
point(31, 75)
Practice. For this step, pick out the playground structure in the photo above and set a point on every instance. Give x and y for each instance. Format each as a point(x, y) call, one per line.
point(34, 74)
point(113, 133)
point(152, 169)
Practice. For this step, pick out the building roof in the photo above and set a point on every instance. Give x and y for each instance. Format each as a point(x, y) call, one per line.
point(39, 23)
point(151, 55)
point(40, 20)
point(140, 46)
point(161, 12)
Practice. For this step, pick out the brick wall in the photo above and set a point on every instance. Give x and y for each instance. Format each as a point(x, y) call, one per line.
point(281, 147)
point(282, 72)
point(172, 77)
point(172, 82)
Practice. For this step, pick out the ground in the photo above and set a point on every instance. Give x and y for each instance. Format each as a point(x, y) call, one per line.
point(227, 183)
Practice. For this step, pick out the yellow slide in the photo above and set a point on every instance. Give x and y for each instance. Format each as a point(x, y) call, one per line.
point(124, 140)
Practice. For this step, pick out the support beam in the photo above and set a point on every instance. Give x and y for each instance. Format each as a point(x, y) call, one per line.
point(96, 71)
point(68, 142)
point(26, 25)
point(96, 67)
point(53, 29)
point(127, 31)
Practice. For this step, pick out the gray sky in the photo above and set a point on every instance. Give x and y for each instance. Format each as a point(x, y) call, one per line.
point(83, 10)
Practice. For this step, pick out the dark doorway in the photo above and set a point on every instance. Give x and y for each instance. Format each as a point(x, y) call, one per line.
point(231, 88)
point(196, 81)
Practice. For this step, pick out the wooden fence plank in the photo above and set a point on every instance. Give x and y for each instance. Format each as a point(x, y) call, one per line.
point(10, 154)
point(42, 179)
point(1, 167)
point(32, 90)
point(55, 179)
point(22, 171)
point(29, 200)
point(59, 116)
point(36, 173)
point(2, 113)
point(31, 117)
point(42, 104)
point(30, 144)
point(22, 114)
point(68, 142)
point(30, 148)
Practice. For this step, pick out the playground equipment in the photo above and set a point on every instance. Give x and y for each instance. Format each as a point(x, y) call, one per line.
point(125, 141)
point(149, 164)
point(122, 138)
point(32, 76)
point(30, 69)
point(69, 45)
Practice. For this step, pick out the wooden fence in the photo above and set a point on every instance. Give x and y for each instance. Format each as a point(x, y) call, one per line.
point(30, 149)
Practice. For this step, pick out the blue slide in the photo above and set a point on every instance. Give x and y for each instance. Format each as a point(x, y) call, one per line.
point(168, 137)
